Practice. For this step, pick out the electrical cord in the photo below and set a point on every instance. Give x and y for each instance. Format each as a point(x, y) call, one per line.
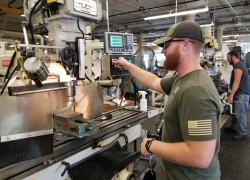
point(78, 25)
point(9, 67)
point(6, 83)
point(86, 90)
point(30, 16)
point(11, 62)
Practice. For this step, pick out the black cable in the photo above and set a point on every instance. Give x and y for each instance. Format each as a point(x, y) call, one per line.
point(14, 75)
point(5, 84)
point(78, 18)
point(88, 78)
point(9, 67)
point(30, 24)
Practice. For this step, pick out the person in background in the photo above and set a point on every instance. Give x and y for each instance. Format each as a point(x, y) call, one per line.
point(191, 131)
point(239, 96)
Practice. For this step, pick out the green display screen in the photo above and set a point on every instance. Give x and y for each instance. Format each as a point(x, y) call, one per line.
point(116, 41)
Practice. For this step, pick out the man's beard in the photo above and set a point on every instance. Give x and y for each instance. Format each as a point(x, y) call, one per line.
point(172, 60)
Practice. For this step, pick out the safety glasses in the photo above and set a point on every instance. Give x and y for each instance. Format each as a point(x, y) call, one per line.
point(166, 44)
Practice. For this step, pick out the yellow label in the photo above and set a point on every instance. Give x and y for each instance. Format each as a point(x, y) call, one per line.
point(211, 43)
point(32, 179)
point(50, 1)
point(99, 144)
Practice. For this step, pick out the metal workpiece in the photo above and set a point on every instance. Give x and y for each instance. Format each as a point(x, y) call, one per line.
point(68, 116)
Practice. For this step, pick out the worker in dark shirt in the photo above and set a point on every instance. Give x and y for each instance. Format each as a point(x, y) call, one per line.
point(239, 96)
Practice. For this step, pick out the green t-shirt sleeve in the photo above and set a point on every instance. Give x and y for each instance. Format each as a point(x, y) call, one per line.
point(198, 113)
point(166, 84)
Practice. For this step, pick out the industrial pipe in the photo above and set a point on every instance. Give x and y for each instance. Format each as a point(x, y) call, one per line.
point(231, 7)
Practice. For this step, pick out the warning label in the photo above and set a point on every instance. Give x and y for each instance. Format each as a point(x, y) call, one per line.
point(5, 63)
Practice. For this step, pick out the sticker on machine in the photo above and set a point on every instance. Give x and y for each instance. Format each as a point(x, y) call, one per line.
point(86, 6)
point(5, 63)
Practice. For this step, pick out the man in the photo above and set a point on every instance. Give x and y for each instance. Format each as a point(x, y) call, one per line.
point(191, 130)
point(239, 96)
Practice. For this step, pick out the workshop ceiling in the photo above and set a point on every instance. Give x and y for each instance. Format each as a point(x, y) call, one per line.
point(127, 15)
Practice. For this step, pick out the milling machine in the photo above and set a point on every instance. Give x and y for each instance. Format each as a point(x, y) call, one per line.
point(41, 140)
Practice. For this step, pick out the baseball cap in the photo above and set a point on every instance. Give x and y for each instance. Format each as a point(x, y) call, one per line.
point(185, 29)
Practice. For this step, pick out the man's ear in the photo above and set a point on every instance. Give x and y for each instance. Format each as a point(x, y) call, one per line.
point(186, 45)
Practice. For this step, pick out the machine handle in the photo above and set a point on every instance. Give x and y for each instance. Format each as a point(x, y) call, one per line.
point(66, 168)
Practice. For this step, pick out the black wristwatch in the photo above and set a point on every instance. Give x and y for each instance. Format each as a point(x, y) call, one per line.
point(148, 144)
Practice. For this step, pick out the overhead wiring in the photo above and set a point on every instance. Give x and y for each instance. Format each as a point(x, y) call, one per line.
point(78, 25)
point(32, 12)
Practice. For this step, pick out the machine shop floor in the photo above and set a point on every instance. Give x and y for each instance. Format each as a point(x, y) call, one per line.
point(234, 154)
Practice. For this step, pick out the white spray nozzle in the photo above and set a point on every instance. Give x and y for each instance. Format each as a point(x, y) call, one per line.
point(142, 93)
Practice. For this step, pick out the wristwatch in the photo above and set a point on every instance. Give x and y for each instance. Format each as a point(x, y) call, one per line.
point(148, 144)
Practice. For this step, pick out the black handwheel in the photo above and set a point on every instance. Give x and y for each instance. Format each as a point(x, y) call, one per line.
point(69, 56)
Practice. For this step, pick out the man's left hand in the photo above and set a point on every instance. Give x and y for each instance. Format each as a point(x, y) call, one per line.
point(230, 99)
point(143, 148)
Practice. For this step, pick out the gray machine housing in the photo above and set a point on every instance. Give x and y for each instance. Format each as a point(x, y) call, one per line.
point(72, 8)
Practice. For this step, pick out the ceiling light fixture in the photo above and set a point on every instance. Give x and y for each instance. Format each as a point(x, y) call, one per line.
point(178, 13)
point(23, 15)
point(235, 35)
point(204, 25)
point(231, 41)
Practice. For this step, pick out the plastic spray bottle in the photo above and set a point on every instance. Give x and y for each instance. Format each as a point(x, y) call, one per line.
point(143, 101)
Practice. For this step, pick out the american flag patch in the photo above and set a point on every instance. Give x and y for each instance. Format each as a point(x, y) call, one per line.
point(200, 127)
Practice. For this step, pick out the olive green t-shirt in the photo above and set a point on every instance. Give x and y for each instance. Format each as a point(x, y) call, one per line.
point(192, 113)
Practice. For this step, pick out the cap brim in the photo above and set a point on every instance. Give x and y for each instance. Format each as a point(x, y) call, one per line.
point(160, 41)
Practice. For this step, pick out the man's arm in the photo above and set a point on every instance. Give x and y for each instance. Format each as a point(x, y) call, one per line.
point(144, 77)
point(237, 77)
point(189, 153)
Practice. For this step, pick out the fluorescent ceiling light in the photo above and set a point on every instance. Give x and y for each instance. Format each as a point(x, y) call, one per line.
point(204, 25)
point(236, 35)
point(231, 41)
point(178, 13)
point(23, 15)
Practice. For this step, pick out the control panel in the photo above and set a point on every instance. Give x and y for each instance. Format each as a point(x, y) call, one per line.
point(109, 66)
point(118, 42)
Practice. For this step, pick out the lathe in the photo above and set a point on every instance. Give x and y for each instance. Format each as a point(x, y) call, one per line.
point(48, 112)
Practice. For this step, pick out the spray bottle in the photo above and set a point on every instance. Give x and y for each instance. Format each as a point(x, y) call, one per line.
point(143, 101)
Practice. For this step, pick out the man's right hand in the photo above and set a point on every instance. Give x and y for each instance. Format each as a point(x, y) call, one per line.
point(121, 63)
